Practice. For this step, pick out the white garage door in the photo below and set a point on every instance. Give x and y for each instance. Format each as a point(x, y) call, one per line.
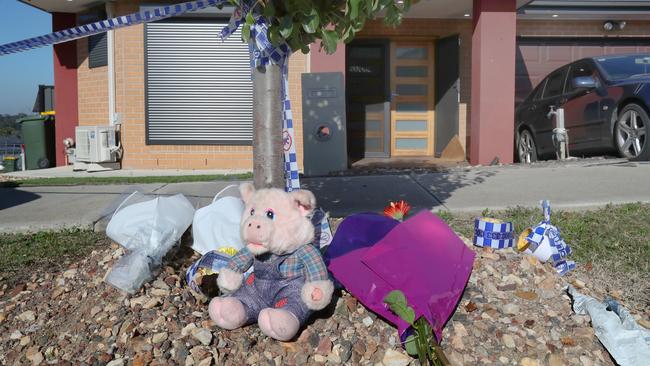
point(198, 88)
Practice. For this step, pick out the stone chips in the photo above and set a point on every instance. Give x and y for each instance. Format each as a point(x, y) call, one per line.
point(513, 312)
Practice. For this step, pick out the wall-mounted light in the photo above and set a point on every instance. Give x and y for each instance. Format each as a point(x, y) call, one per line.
point(611, 25)
point(554, 15)
point(466, 15)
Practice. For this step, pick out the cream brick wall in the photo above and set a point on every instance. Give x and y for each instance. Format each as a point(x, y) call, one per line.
point(92, 87)
point(130, 104)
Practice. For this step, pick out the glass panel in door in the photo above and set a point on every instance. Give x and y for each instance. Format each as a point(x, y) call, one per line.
point(411, 98)
point(368, 108)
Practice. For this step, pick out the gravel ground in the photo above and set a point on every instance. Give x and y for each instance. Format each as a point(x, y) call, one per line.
point(513, 312)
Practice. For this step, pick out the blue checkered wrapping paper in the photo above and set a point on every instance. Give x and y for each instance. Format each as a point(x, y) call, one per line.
point(493, 233)
point(210, 263)
point(262, 53)
point(101, 26)
point(559, 248)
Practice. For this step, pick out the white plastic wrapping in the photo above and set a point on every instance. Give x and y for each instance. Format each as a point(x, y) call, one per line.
point(625, 340)
point(216, 226)
point(148, 229)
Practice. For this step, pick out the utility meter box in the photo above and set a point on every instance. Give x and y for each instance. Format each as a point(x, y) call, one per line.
point(324, 125)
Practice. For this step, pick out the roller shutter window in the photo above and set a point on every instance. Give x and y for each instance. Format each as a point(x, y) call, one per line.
point(97, 50)
point(198, 88)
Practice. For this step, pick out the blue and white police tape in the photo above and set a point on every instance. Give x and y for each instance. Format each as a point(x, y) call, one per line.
point(102, 26)
point(493, 233)
point(545, 242)
point(262, 53)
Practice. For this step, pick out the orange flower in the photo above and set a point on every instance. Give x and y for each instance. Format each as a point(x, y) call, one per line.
point(397, 210)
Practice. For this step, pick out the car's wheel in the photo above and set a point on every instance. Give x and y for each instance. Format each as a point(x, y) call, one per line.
point(526, 149)
point(630, 132)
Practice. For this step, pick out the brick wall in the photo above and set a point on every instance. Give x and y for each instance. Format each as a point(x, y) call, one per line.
point(130, 104)
point(92, 89)
point(298, 64)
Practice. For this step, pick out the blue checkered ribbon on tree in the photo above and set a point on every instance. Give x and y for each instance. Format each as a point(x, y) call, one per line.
point(262, 53)
point(106, 25)
point(493, 233)
point(560, 249)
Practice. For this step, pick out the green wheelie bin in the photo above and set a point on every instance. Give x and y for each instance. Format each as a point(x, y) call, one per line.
point(38, 137)
point(9, 164)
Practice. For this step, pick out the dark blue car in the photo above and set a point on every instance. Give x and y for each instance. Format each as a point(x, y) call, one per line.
point(606, 101)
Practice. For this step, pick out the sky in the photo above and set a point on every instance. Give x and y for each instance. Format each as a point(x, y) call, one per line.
point(21, 73)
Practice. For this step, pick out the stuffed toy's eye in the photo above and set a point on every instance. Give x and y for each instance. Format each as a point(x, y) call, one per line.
point(252, 211)
point(270, 214)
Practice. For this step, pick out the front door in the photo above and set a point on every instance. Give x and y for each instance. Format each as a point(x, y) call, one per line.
point(411, 65)
point(447, 91)
point(367, 88)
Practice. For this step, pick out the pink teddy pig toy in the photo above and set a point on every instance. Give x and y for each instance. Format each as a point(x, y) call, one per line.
point(289, 280)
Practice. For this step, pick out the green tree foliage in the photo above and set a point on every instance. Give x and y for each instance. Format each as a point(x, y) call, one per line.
point(9, 124)
point(303, 22)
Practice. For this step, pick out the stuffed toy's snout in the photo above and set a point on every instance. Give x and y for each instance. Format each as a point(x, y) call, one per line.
point(257, 232)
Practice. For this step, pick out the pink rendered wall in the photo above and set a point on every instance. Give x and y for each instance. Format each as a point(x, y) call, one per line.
point(493, 81)
point(65, 85)
point(322, 62)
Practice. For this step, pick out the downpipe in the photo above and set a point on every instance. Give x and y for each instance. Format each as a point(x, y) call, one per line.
point(113, 116)
point(110, 48)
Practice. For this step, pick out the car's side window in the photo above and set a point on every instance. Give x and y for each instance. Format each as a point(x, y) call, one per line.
point(555, 84)
point(539, 90)
point(578, 70)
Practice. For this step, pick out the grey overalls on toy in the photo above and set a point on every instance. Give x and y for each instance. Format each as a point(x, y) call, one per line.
point(277, 281)
point(266, 288)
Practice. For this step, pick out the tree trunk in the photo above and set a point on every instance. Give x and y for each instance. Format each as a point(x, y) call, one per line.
point(268, 158)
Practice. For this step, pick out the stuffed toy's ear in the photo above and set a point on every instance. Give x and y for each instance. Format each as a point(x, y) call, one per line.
point(305, 201)
point(247, 190)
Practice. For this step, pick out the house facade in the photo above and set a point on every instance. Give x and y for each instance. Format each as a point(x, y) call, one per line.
point(443, 84)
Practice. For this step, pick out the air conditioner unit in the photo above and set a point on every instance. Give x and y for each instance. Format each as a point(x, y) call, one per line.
point(95, 144)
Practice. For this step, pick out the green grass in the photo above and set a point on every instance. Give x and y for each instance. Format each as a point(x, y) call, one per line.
point(611, 246)
point(73, 181)
point(621, 231)
point(21, 253)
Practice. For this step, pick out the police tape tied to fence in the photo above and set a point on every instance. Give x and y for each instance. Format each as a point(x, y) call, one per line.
point(262, 53)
